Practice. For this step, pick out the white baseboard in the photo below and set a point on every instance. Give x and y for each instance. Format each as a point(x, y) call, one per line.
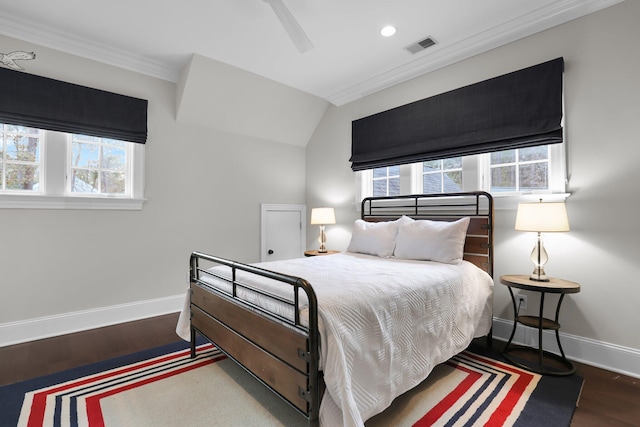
point(601, 354)
point(50, 326)
point(612, 357)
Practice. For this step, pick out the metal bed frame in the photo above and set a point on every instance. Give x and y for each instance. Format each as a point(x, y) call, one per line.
point(282, 353)
point(478, 205)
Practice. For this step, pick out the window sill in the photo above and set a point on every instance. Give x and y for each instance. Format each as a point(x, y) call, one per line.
point(9, 201)
point(510, 201)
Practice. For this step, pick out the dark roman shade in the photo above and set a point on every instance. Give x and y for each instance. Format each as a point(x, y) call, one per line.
point(40, 102)
point(515, 110)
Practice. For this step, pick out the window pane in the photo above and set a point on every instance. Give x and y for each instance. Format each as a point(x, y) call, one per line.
point(86, 138)
point(394, 170)
point(113, 158)
point(432, 183)
point(84, 181)
point(379, 172)
point(503, 179)
point(99, 165)
point(20, 157)
point(452, 163)
point(533, 176)
point(85, 155)
point(113, 182)
point(121, 144)
point(533, 153)
point(22, 177)
point(380, 187)
point(432, 165)
point(394, 187)
point(500, 157)
point(21, 129)
point(23, 148)
point(453, 181)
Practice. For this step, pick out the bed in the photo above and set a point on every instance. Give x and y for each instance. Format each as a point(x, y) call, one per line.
point(338, 337)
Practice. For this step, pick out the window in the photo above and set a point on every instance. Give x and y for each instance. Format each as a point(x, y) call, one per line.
point(442, 176)
point(386, 181)
point(48, 169)
point(98, 165)
point(20, 159)
point(54, 170)
point(520, 170)
point(539, 170)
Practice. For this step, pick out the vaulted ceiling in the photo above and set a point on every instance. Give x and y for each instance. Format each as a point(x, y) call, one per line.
point(349, 58)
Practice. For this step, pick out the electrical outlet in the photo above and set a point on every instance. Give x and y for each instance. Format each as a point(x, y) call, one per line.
point(521, 300)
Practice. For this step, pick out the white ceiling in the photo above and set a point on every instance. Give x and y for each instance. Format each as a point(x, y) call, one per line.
point(350, 58)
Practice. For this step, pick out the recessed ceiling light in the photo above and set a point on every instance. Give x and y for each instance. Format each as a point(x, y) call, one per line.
point(388, 31)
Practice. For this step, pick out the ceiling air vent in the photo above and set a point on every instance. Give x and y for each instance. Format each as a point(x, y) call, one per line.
point(421, 45)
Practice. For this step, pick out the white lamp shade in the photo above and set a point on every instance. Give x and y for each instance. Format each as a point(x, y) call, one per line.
point(323, 216)
point(542, 217)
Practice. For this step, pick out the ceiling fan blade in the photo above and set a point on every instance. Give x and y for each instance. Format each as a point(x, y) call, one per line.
point(295, 31)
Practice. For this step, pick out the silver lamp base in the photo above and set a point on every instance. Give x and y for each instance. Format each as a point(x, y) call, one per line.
point(322, 238)
point(539, 258)
point(539, 275)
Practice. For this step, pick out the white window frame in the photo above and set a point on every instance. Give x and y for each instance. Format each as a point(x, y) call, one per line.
point(557, 174)
point(386, 178)
point(442, 172)
point(40, 164)
point(128, 190)
point(476, 173)
point(53, 192)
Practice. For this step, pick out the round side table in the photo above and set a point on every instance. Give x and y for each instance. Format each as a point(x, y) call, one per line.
point(317, 253)
point(553, 286)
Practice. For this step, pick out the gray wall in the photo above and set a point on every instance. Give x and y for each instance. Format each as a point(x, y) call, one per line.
point(601, 95)
point(204, 188)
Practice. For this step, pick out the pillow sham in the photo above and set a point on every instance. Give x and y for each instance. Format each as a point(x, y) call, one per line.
point(427, 240)
point(375, 238)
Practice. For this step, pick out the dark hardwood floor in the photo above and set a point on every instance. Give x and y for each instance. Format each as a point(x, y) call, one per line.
point(36, 358)
point(608, 399)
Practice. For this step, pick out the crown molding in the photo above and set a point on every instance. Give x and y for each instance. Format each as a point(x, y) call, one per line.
point(556, 13)
point(65, 42)
point(539, 20)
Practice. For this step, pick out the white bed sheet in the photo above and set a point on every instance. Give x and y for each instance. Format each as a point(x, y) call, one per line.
point(385, 324)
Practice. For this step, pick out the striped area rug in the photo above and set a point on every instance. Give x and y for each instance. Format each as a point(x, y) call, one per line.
point(164, 387)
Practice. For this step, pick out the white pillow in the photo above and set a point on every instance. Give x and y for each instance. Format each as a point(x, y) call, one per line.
point(426, 240)
point(375, 238)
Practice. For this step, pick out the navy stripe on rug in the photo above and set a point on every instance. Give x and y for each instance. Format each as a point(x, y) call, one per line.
point(11, 396)
point(552, 402)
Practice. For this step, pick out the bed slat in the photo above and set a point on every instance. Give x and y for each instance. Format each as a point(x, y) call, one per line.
point(280, 342)
point(476, 245)
point(478, 226)
point(273, 372)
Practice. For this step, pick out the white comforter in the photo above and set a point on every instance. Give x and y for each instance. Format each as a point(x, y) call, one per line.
point(386, 323)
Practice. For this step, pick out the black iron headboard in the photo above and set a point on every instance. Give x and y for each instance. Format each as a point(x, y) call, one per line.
point(477, 205)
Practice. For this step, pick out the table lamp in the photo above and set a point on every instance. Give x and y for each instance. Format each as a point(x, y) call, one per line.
point(322, 217)
point(541, 218)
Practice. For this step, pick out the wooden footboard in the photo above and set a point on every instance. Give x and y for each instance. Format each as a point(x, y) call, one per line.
point(281, 353)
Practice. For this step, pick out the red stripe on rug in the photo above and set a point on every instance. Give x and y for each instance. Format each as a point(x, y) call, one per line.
point(514, 394)
point(445, 404)
point(39, 401)
point(94, 410)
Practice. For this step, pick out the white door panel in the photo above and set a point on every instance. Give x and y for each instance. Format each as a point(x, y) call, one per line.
point(283, 232)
